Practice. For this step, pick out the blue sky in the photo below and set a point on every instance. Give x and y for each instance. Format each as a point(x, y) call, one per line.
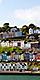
point(20, 12)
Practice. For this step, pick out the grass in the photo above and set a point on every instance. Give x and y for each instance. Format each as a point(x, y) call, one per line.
point(9, 49)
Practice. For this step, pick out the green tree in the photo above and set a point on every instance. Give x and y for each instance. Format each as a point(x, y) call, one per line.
point(0, 29)
point(6, 26)
point(32, 26)
point(25, 29)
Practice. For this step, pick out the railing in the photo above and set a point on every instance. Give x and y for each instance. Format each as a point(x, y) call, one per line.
point(16, 67)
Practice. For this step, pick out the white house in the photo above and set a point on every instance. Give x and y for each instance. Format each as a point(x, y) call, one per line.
point(37, 31)
point(3, 44)
point(18, 43)
point(27, 45)
point(13, 44)
point(13, 29)
point(30, 31)
point(5, 35)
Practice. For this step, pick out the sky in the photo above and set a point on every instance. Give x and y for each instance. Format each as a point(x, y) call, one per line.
point(20, 12)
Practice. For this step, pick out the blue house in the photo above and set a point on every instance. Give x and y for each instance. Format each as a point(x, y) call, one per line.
point(4, 56)
point(18, 34)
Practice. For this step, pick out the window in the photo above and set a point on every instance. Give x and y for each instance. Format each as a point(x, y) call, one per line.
point(34, 45)
point(19, 44)
point(17, 34)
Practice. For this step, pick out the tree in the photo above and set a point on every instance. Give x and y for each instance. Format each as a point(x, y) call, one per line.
point(15, 26)
point(3, 29)
point(25, 29)
point(0, 29)
point(32, 26)
point(6, 26)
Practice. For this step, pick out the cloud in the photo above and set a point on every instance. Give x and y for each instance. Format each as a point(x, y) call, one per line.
point(1, 1)
point(20, 17)
point(31, 15)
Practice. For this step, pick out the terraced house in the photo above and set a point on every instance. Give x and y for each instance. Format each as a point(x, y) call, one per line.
point(20, 47)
